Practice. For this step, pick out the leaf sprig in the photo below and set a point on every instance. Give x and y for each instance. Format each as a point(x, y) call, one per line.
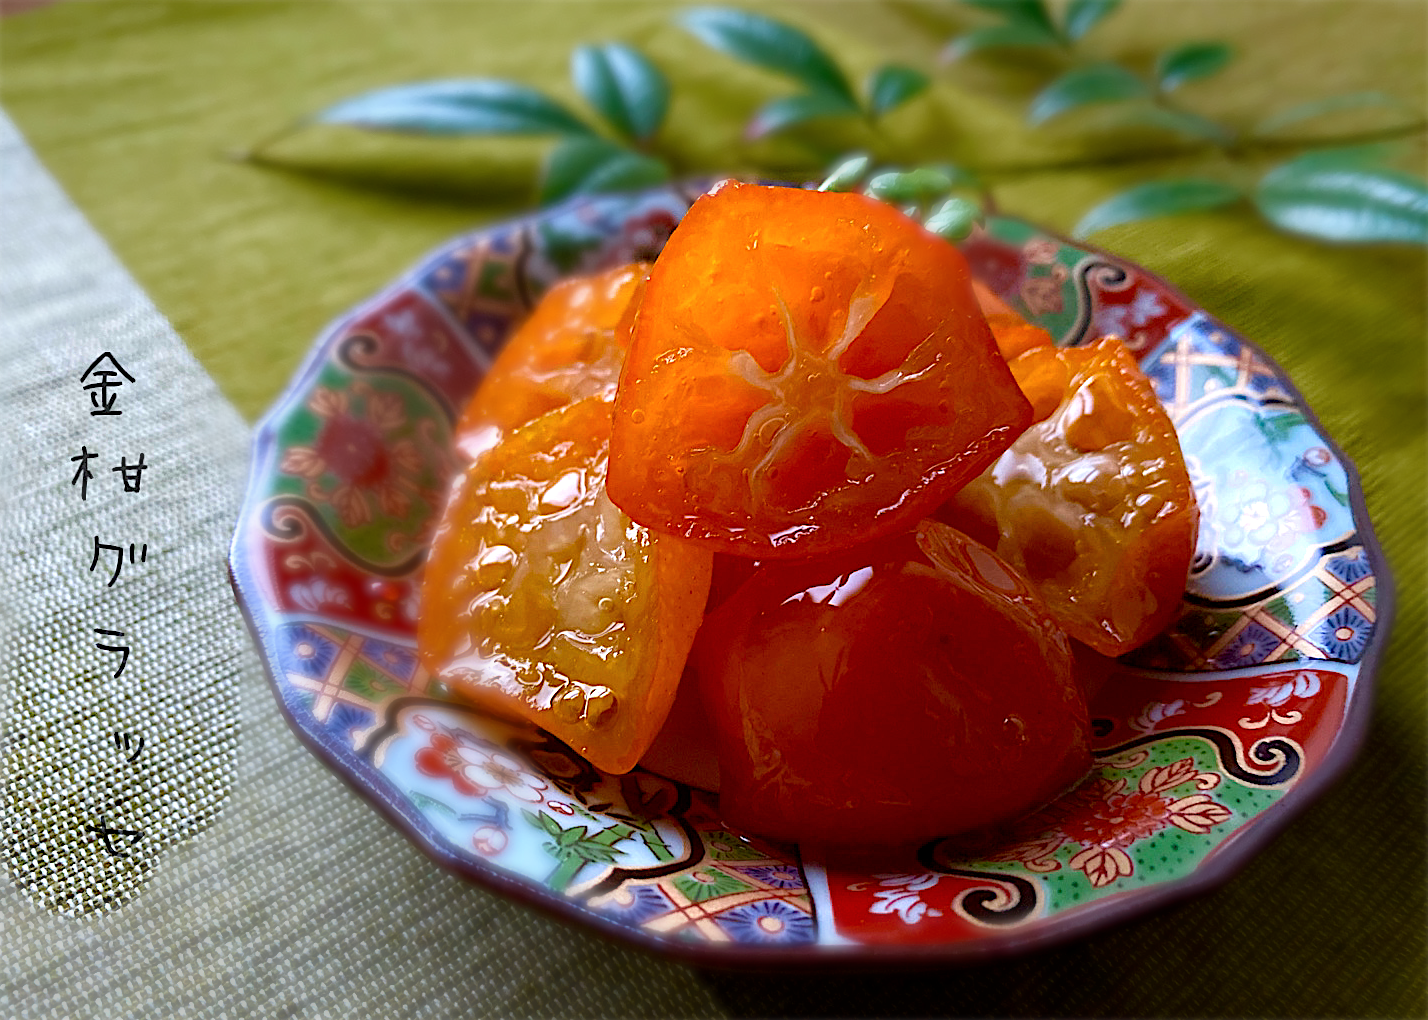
point(787, 51)
point(1332, 192)
point(923, 193)
point(619, 83)
point(1327, 188)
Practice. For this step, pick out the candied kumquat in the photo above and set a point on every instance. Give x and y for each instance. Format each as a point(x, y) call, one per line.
point(542, 600)
point(808, 370)
point(572, 346)
point(1093, 504)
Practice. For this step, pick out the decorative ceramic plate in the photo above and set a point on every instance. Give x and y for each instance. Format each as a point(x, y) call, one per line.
point(1206, 741)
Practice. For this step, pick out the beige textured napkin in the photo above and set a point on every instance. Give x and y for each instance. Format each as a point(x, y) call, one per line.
point(298, 900)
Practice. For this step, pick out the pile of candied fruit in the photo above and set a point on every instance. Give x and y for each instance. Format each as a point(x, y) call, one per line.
point(804, 514)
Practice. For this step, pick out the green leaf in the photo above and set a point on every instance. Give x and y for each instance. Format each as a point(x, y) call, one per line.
point(769, 44)
point(960, 176)
point(1013, 35)
point(1176, 66)
point(919, 185)
point(595, 853)
point(1182, 122)
point(1344, 201)
point(621, 83)
point(1157, 198)
point(892, 85)
point(571, 836)
point(1026, 12)
point(847, 175)
point(1082, 15)
point(421, 800)
point(790, 110)
point(1081, 86)
point(953, 219)
point(1352, 157)
point(1276, 428)
point(1316, 108)
point(589, 166)
point(475, 106)
point(540, 821)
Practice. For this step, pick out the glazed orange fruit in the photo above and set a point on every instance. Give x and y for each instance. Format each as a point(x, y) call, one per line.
point(572, 346)
point(807, 370)
point(1093, 504)
point(892, 693)
point(543, 601)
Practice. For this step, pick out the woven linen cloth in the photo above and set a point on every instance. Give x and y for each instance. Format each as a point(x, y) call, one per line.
point(299, 900)
point(120, 701)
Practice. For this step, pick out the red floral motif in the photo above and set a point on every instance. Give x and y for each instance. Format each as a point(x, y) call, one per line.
point(363, 452)
point(1104, 816)
point(476, 770)
point(441, 759)
point(489, 840)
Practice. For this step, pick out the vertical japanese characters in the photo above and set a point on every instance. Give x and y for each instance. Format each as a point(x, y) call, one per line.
point(103, 380)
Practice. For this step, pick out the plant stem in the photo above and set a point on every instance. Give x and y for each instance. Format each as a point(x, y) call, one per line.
point(254, 153)
point(1240, 150)
point(1360, 138)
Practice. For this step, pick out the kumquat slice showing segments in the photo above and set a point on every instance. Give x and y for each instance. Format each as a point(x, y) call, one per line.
point(808, 370)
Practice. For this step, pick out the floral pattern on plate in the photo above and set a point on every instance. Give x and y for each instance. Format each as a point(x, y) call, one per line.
point(1243, 708)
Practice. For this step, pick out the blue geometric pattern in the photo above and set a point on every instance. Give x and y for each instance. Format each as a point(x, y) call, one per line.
point(779, 876)
point(767, 921)
point(1344, 634)
point(306, 652)
point(398, 660)
point(645, 902)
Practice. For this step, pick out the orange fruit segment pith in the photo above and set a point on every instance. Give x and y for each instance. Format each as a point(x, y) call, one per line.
point(807, 370)
point(542, 600)
point(1093, 504)
point(571, 347)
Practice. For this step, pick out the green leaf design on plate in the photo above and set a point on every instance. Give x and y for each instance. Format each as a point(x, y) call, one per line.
point(1157, 198)
point(543, 822)
point(892, 85)
point(1013, 35)
point(620, 82)
point(784, 113)
point(1344, 200)
point(1301, 112)
point(475, 106)
point(424, 802)
point(1082, 15)
point(1185, 63)
point(1026, 12)
point(1277, 428)
point(769, 44)
point(1081, 86)
point(589, 166)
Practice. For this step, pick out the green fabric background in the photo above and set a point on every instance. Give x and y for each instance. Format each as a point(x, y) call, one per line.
point(133, 104)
